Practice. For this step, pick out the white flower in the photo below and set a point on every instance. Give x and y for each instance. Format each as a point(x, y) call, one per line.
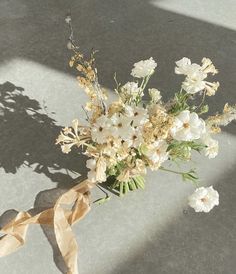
point(91, 164)
point(212, 148)
point(121, 126)
point(187, 126)
point(130, 91)
point(128, 110)
point(194, 83)
point(135, 139)
point(143, 68)
point(101, 129)
point(182, 66)
point(154, 94)
point(97, 171)
point(139, 117)
point(157, 152)
point(204, 199)
point(211, 151)
point(195, 76)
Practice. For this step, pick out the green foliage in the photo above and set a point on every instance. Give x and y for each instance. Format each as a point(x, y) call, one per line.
point(181, 150)
point(190, 176)
point(180, 103)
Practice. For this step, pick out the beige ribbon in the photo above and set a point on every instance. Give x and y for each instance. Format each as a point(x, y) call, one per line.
point(60, 218)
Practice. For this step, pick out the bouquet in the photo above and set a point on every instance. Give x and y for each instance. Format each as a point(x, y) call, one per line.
point(125, 137)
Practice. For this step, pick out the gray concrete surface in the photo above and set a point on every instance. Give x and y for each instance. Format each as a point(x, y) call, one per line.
point(151, 231)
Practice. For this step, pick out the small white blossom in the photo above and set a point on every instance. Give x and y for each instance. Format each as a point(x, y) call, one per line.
point(204, 199)
point(101, 129)
point(184, 66)
point(143, 68)
point(91, 164)
point(211, 151)
point(155, 95)
point(187, 126)
point(130, 91)
point(121, 126)
point(157, 152)
point(97, 171)
point(135, 139)
point(194, 83)
point(139, 117)
point(128, 110)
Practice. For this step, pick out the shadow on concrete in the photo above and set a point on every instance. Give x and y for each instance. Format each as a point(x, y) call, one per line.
point(28, 138)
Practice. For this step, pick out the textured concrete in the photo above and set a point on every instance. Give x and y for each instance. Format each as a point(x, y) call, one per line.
point(150, 231)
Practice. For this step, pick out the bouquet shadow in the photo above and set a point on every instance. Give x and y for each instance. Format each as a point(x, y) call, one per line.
point(28, 139)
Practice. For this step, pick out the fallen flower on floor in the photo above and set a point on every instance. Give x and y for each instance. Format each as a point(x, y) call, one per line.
point(204, 199)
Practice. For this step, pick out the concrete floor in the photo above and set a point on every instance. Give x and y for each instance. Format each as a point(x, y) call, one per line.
point(150, 231)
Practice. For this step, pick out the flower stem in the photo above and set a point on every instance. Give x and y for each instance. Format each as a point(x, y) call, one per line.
point(172, 171)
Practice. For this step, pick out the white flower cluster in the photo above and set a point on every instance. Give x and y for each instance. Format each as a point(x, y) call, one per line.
point(126, 126)
point(196, 75)
point(127, 136)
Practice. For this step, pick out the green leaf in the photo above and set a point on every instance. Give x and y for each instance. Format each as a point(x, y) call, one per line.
point(190, 176)
point(182, 149)
point(180, 103)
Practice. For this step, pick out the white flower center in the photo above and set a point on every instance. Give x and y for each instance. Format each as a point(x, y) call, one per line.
point(204, 199)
